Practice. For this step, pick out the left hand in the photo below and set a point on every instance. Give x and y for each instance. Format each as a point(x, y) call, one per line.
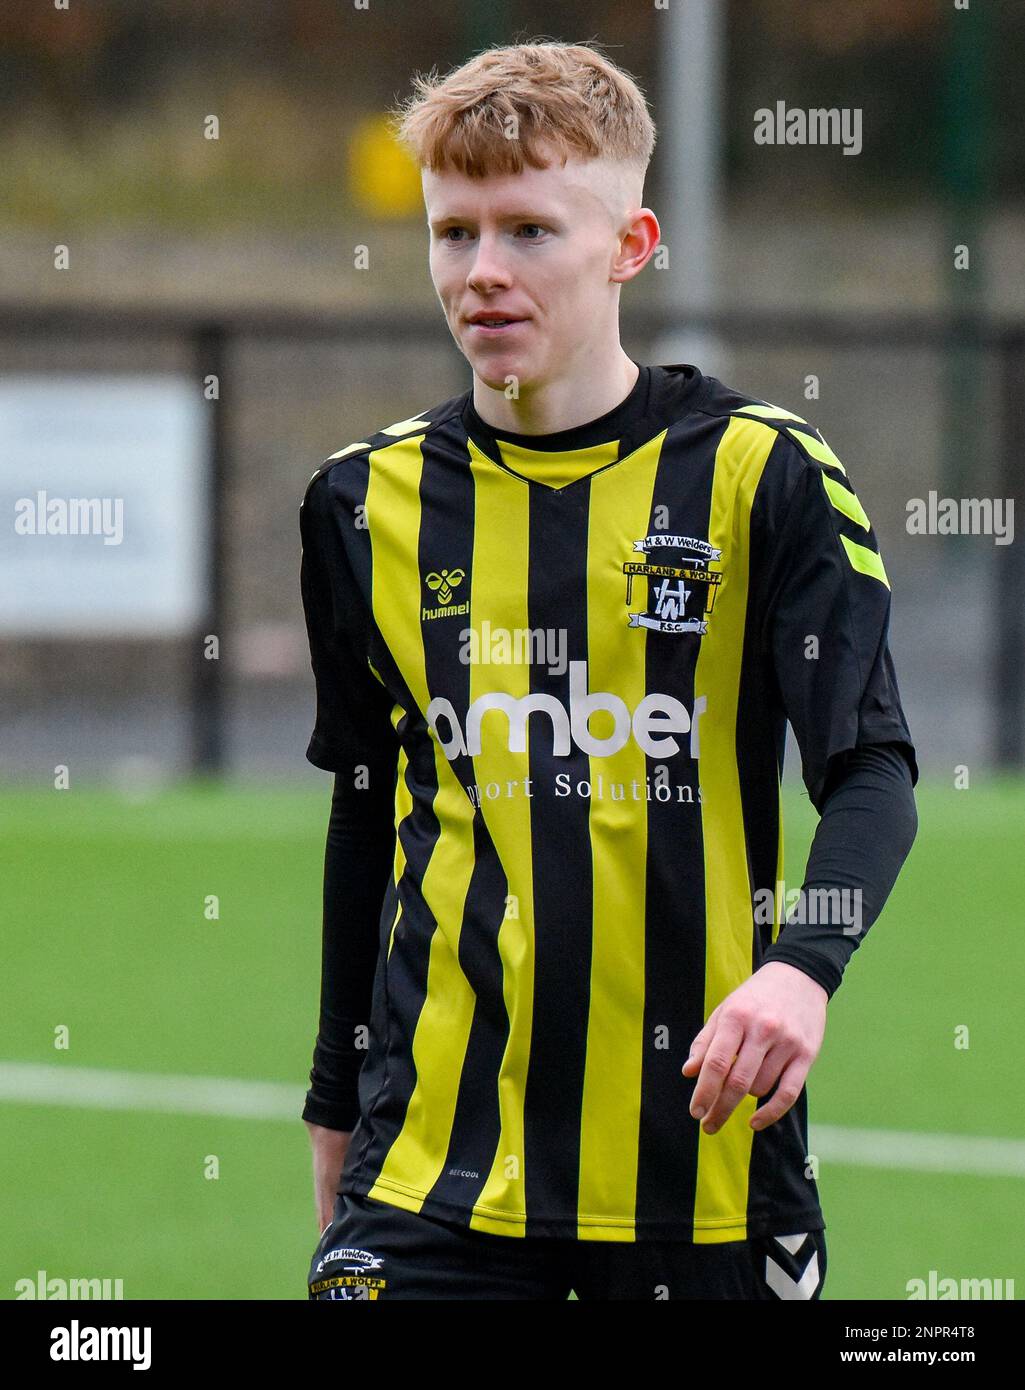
point(769, 1029)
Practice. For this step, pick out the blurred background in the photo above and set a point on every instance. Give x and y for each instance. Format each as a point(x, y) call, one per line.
point(213, 274)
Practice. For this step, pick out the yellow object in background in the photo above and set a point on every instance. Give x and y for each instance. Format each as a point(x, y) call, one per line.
point(383, 178)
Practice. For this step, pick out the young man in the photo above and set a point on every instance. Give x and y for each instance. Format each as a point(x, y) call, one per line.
point(557, 625)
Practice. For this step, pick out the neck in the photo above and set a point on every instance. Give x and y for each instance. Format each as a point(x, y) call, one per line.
point(560, 403)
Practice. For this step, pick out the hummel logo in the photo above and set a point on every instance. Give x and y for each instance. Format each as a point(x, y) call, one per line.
point(788, 1285)
point(444, 583)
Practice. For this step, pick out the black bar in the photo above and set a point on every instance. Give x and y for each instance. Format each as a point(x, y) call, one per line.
point(1009, 565)
point(206, 678)
point(232, 1337)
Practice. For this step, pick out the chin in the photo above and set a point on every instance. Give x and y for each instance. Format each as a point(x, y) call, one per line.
point(492, 376)
point(494, 369)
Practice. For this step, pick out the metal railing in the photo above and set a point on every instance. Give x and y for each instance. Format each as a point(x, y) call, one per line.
point(211, 338)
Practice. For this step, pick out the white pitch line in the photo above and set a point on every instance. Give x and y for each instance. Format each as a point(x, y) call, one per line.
point(36, 1083)
point(978, 1154)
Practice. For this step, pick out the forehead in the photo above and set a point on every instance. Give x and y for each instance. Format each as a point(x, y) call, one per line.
point(559, 188)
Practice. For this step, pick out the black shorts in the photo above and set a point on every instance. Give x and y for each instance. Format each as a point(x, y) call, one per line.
point(372, 1250)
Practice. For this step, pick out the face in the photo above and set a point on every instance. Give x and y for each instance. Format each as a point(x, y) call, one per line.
point(545, 250)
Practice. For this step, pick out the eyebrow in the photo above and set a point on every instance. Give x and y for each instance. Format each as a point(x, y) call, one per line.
point(521, 215)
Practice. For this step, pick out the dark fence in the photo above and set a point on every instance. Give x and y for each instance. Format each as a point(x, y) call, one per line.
point(967, 604)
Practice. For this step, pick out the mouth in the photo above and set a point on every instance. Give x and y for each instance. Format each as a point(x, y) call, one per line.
point(494, 327)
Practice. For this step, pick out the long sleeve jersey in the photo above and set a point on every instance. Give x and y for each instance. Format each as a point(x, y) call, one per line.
point(554, 675)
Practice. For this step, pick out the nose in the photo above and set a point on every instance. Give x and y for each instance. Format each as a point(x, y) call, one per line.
point(488, 270)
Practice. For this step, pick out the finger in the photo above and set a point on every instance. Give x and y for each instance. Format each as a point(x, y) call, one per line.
point(789, 1088)
point(716, 1066)
point(736, 1085)
point(771, 1069)
point(699, 1046)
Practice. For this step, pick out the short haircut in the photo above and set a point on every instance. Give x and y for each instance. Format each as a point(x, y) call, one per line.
point(499, 111)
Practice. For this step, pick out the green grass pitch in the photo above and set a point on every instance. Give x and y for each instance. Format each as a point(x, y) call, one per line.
point(106, 934)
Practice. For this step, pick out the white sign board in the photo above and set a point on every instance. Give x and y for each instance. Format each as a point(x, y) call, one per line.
point(103, 516)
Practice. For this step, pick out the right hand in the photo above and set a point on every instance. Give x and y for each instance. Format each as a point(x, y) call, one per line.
point(329, 1149)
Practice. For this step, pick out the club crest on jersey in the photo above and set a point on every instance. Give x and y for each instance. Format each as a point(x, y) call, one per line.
point(679, 582)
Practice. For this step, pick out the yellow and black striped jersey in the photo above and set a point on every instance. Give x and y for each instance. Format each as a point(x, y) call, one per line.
point(569, 661)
